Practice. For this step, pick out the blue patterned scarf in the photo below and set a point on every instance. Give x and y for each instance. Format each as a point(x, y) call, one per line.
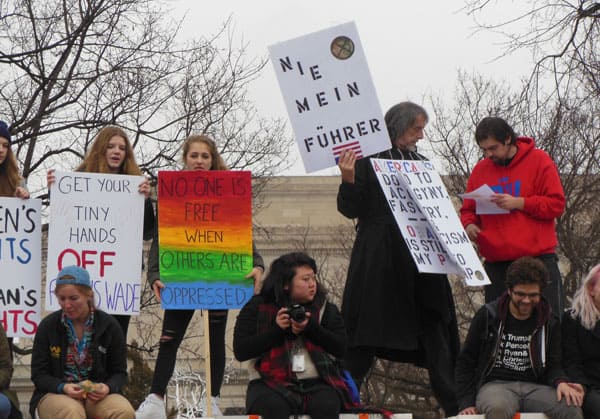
point(79, 358)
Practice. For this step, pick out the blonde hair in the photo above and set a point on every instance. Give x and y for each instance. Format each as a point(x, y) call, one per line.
point(583, 305)
point(95, 160)
point(82, 289)
point(217, 161)
point(9, 174)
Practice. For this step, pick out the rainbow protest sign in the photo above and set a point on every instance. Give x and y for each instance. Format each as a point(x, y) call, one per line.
point(205, 238)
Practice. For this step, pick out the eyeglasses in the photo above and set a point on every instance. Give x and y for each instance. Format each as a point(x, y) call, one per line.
point(531, 295)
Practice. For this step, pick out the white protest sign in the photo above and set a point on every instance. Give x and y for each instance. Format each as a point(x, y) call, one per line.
point(427, 219)
point(96, 222)
point(329, 96)
point(20, 265)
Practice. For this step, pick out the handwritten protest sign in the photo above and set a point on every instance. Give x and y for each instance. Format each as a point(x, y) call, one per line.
point(205, 238)
point(427, 219)
point(96, 222)
point(20, 264)
point(329, 96)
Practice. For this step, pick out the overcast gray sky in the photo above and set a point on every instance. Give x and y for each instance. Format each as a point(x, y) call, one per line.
point(413, 48)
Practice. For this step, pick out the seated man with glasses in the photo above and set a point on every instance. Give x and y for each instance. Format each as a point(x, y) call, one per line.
point(511, 358)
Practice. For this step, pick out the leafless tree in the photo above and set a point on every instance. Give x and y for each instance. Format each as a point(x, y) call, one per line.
point(562, 35)
point(559, 105)
point(67, 68)
point(566, 128)
point(571, 135)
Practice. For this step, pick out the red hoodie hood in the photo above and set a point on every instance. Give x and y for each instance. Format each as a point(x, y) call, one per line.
point(524, 146)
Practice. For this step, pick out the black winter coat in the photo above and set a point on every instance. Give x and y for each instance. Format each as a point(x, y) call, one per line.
point(581, 352)
point(387, 303)
point(328, 332)
point(109, 354)
point(477, 356)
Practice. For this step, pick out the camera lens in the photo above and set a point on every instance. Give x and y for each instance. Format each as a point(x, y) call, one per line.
point(297, 313)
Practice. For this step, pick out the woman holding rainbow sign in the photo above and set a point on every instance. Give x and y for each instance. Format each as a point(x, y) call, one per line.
point(199, 153)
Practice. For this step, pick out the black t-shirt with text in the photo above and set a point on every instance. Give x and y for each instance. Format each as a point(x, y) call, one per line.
point(513, 362)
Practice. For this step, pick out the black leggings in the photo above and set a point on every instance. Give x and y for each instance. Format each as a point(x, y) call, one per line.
point(435, 342)
point(175, 324)
point(591, 404)
point(323, 403)
point(123, 320)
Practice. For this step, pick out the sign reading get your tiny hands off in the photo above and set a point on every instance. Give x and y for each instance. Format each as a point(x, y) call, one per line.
point(96, 222)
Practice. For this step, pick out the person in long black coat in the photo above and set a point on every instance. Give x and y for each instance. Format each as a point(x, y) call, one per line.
point(390, 309)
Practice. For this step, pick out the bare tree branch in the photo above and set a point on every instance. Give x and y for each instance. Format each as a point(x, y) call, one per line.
point(69, 67)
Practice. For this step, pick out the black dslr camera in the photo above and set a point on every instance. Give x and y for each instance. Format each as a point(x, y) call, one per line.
point(297, 312)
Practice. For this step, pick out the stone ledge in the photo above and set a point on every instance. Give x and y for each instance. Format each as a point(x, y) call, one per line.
point(516, 416)
point(342, 416)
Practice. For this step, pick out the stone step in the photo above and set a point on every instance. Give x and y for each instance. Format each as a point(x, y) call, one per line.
point(516, 416)
point(397, 416)
point(342, 416)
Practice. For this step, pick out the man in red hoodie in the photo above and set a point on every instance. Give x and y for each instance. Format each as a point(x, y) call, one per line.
point(527, 184)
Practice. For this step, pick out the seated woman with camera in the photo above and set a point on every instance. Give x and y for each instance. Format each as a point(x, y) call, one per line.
point(294, 337)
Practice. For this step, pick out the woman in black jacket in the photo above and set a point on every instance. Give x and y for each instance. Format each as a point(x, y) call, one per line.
point(293, 336)
point(79, 359)
point(581, 342)
point(11, 185)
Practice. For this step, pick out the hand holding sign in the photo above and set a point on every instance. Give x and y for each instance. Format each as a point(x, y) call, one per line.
point(205, 239)
point(329, 96)
point(96, 222)
point(427, 219)
point(347, 164)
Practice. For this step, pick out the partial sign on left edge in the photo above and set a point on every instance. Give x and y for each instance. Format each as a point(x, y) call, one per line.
point(20, 265)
